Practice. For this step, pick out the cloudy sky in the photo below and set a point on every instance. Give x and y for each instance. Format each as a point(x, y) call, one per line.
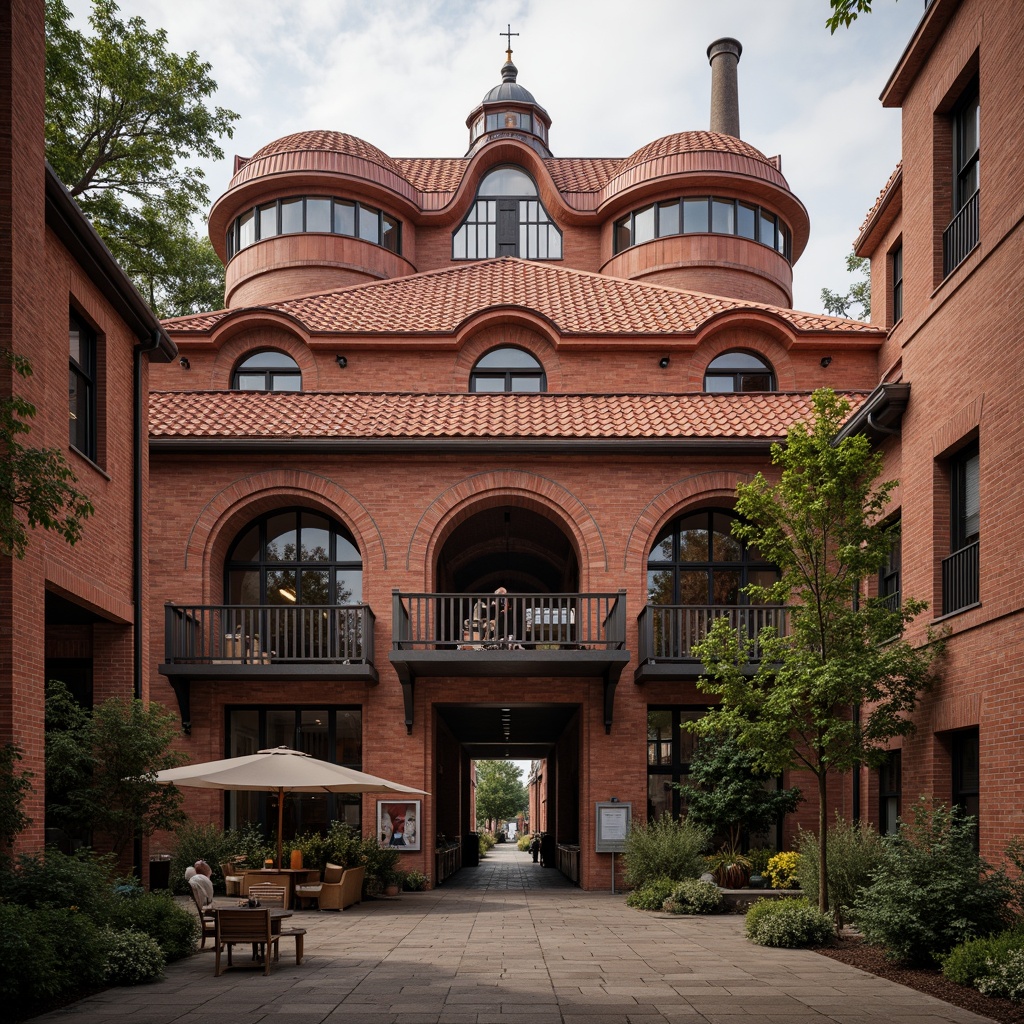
point(404, 75)
point(613, 75)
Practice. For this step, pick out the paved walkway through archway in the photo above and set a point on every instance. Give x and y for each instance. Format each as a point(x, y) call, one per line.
point(511, 942)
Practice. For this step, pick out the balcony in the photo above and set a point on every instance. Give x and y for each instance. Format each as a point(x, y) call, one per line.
point(669, 632)
point(266, 643)
point(510, 635)
point(960, 236)
point(960, 576)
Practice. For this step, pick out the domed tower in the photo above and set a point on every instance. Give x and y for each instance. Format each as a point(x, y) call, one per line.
point(509, 111)
point(704, 210)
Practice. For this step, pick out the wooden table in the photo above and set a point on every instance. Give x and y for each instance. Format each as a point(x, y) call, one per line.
point(283, 876)
point(277, 915)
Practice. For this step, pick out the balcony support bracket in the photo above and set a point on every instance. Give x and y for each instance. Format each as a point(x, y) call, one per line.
point(182, 687)
point(611, 680)
point(407, 677)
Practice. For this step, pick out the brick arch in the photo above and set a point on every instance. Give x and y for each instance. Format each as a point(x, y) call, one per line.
point(256, 337)
point(481, 337)
point(251, 496)
point(507, 487)
point(754, 338)
point(707, 487)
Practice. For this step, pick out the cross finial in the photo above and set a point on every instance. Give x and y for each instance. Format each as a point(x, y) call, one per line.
point(508, 34)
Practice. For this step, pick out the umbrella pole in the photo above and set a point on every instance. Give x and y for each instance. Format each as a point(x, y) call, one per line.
point(280, 824)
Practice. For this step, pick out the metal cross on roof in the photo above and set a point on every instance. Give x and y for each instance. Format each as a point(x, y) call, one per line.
point(508, 34)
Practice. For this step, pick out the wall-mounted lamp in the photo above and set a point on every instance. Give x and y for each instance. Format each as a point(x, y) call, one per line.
point(342, 362)
point(663, 362)
point(826, 360)
point(184, 363)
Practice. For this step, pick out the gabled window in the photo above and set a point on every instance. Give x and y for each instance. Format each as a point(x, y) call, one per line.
point(960, 577)
point(507, 369)
point(267, 371)
point(507, 219)
point(739, 371)
point(81, 387)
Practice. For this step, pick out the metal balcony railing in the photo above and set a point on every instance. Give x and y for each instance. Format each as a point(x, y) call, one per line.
point(960, 579)
point(960, 236)
point(669, 632)
point(508, 621)
point(268, 634)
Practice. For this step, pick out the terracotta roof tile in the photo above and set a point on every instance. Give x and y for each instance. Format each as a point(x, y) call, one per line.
point(897, 171)
point(688, 142)
point(430, 174)
point(389, 415)
point(582, 174)
point(576, 302)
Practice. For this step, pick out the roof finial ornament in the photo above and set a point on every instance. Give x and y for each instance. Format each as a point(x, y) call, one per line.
point(508, 34)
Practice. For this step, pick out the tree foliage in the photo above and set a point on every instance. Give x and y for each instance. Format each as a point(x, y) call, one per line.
point(126, 120)
point(37, 486)
point(726, 792)
point(500, 793)
point(859, 293)
point(843, 681)
point(846, 12)
point(14, 785)
point(100, 768)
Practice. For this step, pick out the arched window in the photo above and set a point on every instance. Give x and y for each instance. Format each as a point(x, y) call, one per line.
point(291, 558)
point(697, 561)
point(507, 369)
point(739, 371)
point(507, 219)
point(267, 371)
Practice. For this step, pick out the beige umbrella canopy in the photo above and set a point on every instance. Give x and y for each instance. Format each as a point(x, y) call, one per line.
point(280, 770)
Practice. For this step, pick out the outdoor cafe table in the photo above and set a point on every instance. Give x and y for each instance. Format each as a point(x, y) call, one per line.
point(289, 877)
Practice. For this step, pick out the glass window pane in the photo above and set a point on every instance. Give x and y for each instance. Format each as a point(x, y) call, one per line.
point(659, 737)
point(251, 382)
point(243, 733)
point(282, 589)
point(246, 229)
point(762, 578)
point(318, 215)
point(391, 233)
point(659, 796)
point(695, 215)
point(508, 358)
point(694, 587)
point(737, 360)
point(314, 587)
point(281, 539)
point(766, 229)
point(719, 384)
point(369, 223)
point(285, 382)
point(668, 219)
point(554, 244)
point(724, 546)
point(531, 384)
point(345, 550)
point(348, 733)
point(725, 587)
point(693, 538)
point(723, 216)
point(507, 181)
point(755, 382)
point(459, 244)
point(315, 538)
point(659, 586)
point(623, 234)
point(488, 383)
point(291, 216)
point(643, 225)
point(243, 587)
point(782, 239)
point(280, 729)
point(268, 220)
point(348, 586)
point(313, 734)
point(746, 220)
point(344, 218)
point(247, 547)
point(492, 122)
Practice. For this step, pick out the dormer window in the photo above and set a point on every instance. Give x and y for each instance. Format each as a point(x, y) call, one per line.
point(507, 219)
point(507, 369)
point(738, 371)
point(267, 371)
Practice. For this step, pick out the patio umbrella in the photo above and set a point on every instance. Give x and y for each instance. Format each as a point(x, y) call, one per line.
point(280, 770)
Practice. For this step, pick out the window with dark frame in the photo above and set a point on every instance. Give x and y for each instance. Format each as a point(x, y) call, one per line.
point(81, 386)
point(960, 570)
point(332, 733)
point(889, 575)
point(507, 369)
point(961, 235)
point(966, 758)
point(738, 371)
point(268, 370)
point(890, 793)
point(897, 284)
point(669, 753)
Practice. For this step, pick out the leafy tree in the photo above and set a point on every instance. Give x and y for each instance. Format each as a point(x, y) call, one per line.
point(125, 121)
point(14, 784)
point(500, 793)
point(100, 767)
point(36, 484)
point(822, 525)
point(726, 792)
point(837, 304)
point(846, 12)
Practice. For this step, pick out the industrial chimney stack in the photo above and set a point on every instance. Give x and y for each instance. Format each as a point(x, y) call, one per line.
point(724, 55)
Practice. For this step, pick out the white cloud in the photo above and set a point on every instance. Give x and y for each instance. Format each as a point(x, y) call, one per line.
point(404, 75)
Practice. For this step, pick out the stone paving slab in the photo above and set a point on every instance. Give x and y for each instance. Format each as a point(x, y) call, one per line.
point(513, 943)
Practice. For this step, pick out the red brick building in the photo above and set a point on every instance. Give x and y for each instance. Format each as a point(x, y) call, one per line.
point(74, 613)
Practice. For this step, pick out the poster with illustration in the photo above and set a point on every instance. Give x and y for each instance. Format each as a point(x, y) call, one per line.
point(398, 824)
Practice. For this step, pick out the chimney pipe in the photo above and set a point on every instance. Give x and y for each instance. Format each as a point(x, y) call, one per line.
point(724, 55)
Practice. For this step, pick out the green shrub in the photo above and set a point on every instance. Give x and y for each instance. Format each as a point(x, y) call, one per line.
point(416, 881)
point(758, 859)
point(1006, 977)
point(523, 842)
point(130, 958)
point(691, 896)
point(313, 846)
point(782, 871)
point(967, 963)
point(54, 879)
point(174, 928)
point(931, 890)
point(652, 894)
point(194, 841)
point(788, 922)
point(854, 852)
point(664, 848)
point(343, 845)
point(49, 956)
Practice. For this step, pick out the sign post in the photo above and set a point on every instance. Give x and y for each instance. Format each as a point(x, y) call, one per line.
point(612, 826)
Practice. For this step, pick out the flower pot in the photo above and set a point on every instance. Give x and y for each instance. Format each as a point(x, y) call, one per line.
point(390, 890)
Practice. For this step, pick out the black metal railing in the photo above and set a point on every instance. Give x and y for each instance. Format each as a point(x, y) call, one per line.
point(960, 236)
point(891, 602)
point(960, 579)
point(267, 634)
point(508, 621)
point(669, 632)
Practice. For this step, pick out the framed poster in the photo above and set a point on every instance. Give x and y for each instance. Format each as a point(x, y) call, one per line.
point(613, 820)
point(398, 824)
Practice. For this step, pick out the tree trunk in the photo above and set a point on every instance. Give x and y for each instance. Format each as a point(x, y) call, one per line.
point(822, 842)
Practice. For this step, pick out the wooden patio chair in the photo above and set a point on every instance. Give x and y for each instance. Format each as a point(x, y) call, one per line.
point(250, 927)
point(268, 894)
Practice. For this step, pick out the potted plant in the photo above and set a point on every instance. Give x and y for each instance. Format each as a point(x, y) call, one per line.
point(730, 867)
point(393, 882)
point(758, 859)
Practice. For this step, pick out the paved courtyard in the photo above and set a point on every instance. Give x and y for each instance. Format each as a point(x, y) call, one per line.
point(512, 942)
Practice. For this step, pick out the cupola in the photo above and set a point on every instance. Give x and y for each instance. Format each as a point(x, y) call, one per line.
point(509, 111)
